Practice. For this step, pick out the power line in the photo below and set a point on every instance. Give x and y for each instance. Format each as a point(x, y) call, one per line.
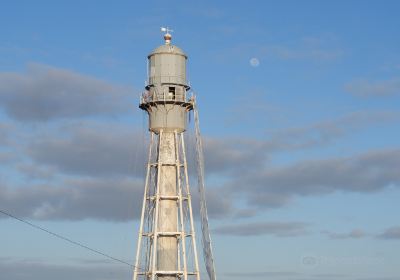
point(65, 238)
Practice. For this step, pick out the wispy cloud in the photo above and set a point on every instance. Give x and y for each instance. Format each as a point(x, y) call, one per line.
point(313, 49)
point(278, 229)
point(262, 274)
point(390, 233)
point(354, 234)
point(303, 53)
point(366, 88)
point(293, 275)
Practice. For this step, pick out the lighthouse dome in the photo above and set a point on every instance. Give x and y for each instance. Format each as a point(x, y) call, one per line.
point(168, 49)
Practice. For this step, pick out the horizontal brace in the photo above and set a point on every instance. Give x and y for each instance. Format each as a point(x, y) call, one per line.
point(167, 233)
point(166, 273)
point(167, 197)
point(166, 164)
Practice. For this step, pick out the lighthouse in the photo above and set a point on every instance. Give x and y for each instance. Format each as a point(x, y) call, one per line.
point(167, 246)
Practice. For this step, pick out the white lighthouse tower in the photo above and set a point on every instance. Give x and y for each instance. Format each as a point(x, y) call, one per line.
point(167, 247)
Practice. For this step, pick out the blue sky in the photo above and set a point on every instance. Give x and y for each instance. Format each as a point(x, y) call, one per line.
point(302, 146)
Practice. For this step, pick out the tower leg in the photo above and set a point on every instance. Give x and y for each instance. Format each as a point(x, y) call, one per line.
point(189, 203)
point(145, 195)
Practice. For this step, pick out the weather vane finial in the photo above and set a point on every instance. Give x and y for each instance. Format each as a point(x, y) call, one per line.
point(167, 34)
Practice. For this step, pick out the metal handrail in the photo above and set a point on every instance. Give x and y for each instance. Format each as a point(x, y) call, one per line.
point(147, 97)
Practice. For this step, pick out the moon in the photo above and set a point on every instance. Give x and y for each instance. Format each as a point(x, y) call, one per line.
point(254, 62)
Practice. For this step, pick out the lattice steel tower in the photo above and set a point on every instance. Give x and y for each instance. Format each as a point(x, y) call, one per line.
point(167, 244)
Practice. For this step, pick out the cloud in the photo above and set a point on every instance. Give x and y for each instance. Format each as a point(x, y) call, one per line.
point(354, 234)
point(209, 13)
point(232, 154)
point(21, 270)
point(72, 170)
point(282, 275)
point(326, 131)
point(7, 155)
point(76, 199)
point(366, 88)
point(218, 206)
point(86, 150)
point(378, 278)
point(85, 269)
point(92, 149)
point(300, 137)
point(116, 153)
point(89, 148)
point(109, 149)
point(46, 93)
point(262, 274)
point(321, 49)
point(273, 187)
point(34, 171)
point(303, 53)
point(116, 199)
point(390, 233)
point(5, 131)
point(278, 229)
